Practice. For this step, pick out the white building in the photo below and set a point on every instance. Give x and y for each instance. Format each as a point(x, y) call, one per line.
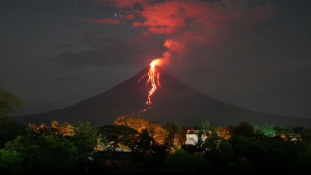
point(192, 137)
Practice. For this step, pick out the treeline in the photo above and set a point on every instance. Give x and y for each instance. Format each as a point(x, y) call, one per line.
point(81, 148)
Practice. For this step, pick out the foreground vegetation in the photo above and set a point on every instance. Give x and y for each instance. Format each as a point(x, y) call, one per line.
point(80, 148)
point(134, 145)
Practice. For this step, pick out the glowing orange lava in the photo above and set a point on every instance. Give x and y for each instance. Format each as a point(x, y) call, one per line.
point(154, 79)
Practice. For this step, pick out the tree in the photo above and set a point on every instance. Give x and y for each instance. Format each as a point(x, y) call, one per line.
point(223, 132)
point(217, 150)
point(42, 153)
point(145, 140)
point(135, 122)
point(253, 150)
point(85, 140)
point(279, 155)
point(119, 135)
point(206, 126)
point(8, 103)
point(284, 130)
point(304, 161)
point(155, 130)
point(54, 129)
point(56, 148)
point(184, 162)
point(242, 129)
point(240, 166)
point(266, 129)
point(305, 132)
point(10, 162)
point(9, 129)
point(176, 135)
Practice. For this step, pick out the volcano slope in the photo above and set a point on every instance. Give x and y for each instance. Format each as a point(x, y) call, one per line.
point(173, 101)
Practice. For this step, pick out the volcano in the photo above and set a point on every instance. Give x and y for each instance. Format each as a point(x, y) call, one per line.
point(173, 101)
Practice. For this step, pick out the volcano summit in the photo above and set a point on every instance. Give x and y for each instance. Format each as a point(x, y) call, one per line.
point(173, 101)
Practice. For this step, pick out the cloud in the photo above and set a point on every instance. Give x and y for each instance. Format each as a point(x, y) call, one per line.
point(177, 17)
point(184, 26)
point(193, 23)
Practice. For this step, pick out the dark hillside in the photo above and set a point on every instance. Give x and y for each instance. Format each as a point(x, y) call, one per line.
point(173, 101)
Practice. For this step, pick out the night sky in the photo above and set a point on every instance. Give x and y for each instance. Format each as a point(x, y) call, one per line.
point(254, 54)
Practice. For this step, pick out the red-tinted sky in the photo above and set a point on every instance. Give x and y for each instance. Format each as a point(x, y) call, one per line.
point(253, 54)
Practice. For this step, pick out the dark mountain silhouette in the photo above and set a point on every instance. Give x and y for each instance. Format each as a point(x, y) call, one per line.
point(173, 101)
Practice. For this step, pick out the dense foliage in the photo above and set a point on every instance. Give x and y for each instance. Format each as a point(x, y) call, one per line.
point(80, 148)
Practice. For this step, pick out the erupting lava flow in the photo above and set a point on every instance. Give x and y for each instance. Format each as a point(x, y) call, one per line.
point(153, 79)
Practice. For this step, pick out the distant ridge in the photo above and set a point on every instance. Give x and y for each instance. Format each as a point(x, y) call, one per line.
point(172, 102)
